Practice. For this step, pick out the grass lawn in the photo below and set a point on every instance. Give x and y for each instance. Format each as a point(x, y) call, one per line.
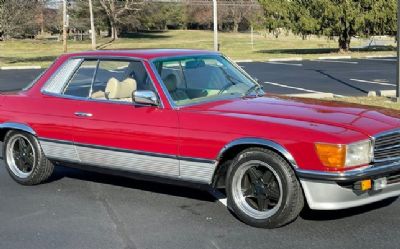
point(235, 45)
point(372, 101)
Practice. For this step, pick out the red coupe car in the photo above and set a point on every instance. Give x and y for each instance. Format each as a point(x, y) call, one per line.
point(195, 116)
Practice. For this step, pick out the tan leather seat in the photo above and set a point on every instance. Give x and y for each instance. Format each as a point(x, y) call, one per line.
point(116, 90)
point(111, 83)
point(125, 89)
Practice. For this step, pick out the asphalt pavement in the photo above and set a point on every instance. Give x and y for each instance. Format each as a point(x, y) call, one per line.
point(79, 209)
point(353, 77)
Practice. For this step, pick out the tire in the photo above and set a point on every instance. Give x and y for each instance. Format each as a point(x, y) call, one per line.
point(25, 163)
point(263, 190)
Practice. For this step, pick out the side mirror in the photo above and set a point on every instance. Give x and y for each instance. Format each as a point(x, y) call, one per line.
point(145, 98)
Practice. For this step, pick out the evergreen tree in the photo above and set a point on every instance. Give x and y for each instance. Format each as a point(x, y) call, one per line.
point(341, 18)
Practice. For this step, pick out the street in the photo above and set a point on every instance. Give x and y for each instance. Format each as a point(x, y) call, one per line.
point(79, 209)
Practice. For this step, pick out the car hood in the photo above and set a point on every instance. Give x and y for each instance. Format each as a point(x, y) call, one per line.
point(365, 119)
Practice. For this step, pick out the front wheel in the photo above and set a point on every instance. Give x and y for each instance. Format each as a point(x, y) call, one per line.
point(25, 160)
point(263, 190)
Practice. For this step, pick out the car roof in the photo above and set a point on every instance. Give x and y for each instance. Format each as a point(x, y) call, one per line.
point(144, 53)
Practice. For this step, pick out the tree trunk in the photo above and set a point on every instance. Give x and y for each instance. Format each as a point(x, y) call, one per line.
point(235, 26)
point(344, 41)
point(42, 23)
point(114, 30)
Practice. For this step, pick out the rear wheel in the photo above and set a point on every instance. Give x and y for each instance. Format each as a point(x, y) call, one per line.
point(263, 190)
point(25, 160)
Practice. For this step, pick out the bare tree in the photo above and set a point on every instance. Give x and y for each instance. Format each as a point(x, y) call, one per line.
point(200, 15)
point(117, 10)
point(240, 11)
point(18, 18)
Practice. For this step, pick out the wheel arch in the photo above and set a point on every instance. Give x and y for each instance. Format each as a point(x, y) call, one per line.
point(230, 150)
point(7, 126)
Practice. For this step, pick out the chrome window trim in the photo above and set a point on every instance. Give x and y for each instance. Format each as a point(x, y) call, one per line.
point(240, 69)
point(99, 58)
point(94, 78)
point(68, 82)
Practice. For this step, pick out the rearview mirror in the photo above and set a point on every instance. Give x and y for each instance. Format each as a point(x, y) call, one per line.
point(145, 98)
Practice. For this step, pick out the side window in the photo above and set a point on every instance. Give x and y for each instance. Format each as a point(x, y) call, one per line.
point(81, 82)
point(116, 80)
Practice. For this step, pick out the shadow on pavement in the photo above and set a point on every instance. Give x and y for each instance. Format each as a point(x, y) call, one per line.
point(317, 215)
point(134, 181)
point(341, 81)
point(146, 35)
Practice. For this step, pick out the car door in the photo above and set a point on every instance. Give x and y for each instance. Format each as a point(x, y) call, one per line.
point(110, 131)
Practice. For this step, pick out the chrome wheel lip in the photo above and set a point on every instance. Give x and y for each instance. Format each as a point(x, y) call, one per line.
point(10, 156)
point(240, 199)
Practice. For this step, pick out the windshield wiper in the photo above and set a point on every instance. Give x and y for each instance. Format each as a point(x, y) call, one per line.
point(255, 87)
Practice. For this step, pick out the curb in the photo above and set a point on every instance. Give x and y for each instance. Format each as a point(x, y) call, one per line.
point(20, 67)
point(243, 61)
point(382, 93)
point(380, 56)
point(387, 93)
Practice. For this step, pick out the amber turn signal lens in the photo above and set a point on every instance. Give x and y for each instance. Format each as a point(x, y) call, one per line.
point(332, 155)
point(366, 185)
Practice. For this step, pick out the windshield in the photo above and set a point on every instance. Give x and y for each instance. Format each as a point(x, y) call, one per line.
point(196, 79)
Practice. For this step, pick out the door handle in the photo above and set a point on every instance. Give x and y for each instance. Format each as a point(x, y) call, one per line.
point(83, 114)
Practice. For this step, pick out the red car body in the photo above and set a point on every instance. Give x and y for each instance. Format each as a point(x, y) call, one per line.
point(202, 133)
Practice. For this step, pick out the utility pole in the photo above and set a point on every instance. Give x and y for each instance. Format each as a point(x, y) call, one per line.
point(92, 25)
point(215, 11)
point(65, 25)
point(398, 52)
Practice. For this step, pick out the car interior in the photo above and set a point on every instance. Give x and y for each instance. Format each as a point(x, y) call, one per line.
point(194, 80)
point(114, 81)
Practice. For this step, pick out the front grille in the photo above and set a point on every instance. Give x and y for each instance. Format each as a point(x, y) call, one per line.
point(387, 147)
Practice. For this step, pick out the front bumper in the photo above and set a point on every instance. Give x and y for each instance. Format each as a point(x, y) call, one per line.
point(333, 191)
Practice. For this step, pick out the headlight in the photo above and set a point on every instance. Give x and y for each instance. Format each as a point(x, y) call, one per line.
point(341, 156)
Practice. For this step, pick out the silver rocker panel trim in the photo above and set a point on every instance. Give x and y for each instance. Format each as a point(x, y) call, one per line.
point(183, 168)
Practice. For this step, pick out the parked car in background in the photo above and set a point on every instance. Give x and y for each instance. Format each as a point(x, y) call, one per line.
point(195, 116)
